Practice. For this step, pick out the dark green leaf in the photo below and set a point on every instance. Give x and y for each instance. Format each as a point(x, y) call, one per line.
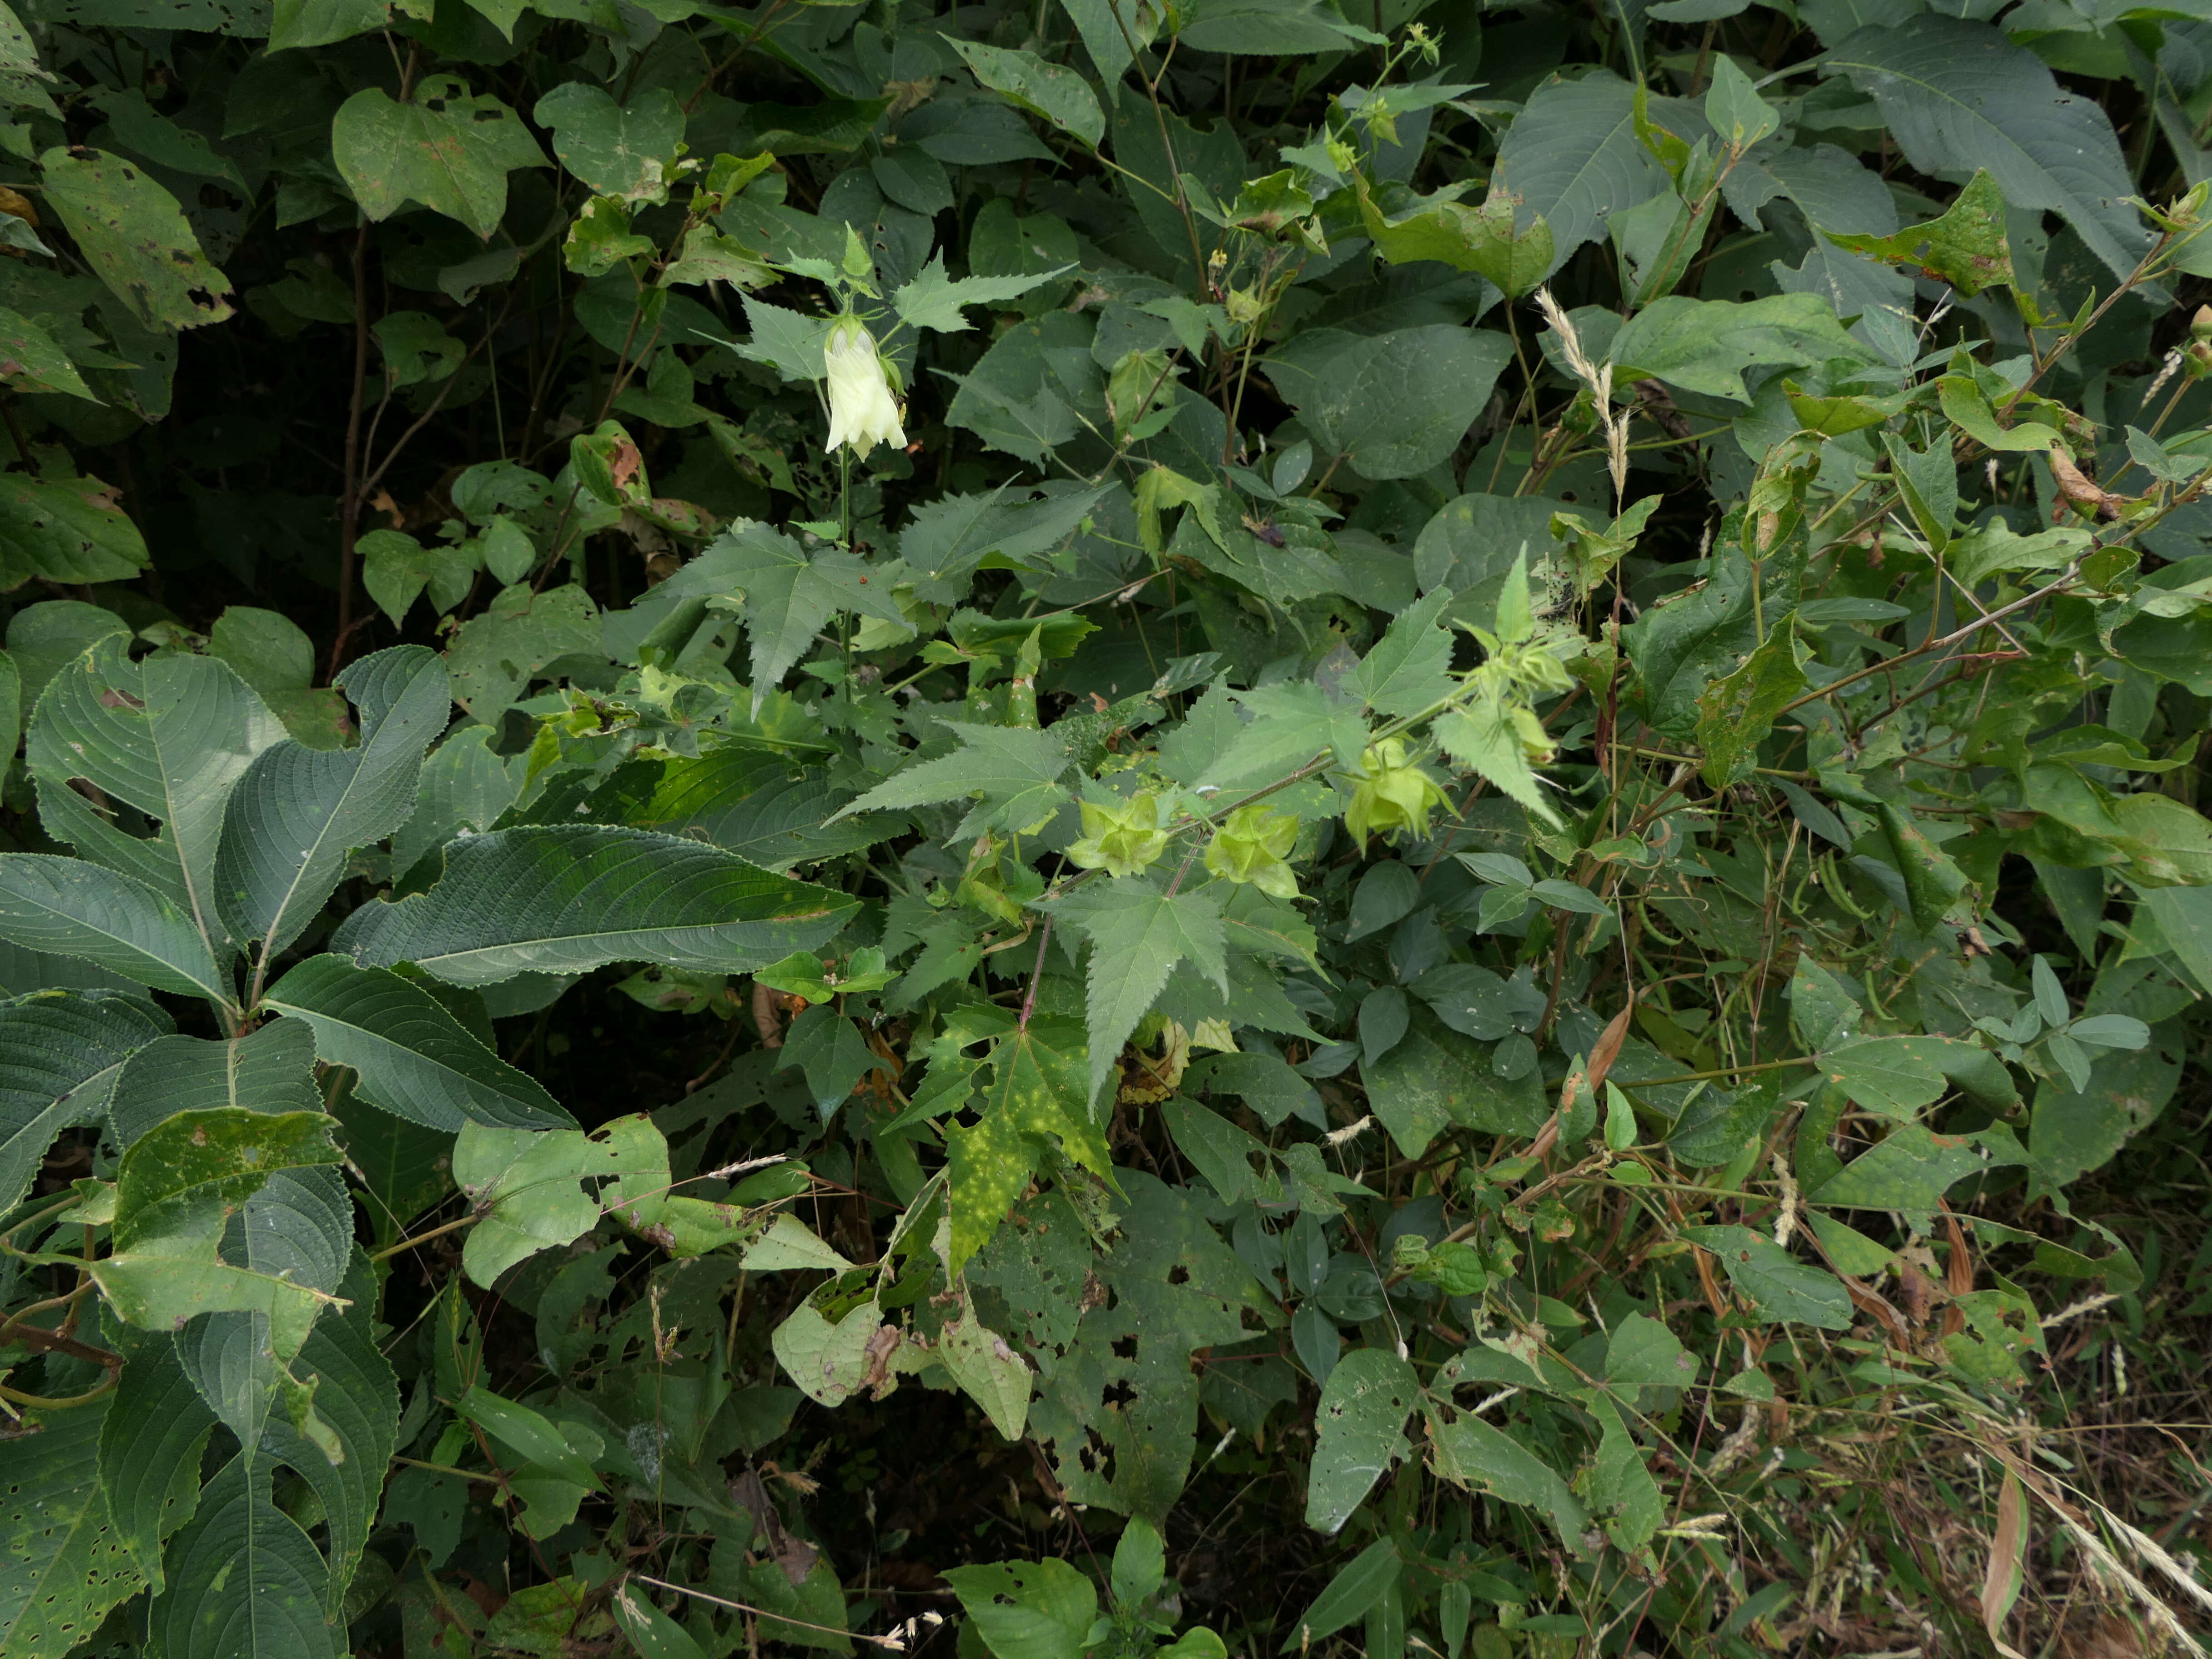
point(61, 1053)
point(297, 812)
point(413, 1058)
point(565, 900)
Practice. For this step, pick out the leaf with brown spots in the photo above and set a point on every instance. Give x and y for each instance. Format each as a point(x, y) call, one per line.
point(67, 529)
point(447, 150)
point(131, 231)
point(30, 361)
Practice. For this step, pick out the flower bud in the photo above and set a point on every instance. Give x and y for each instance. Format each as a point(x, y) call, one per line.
point(2200, 325)
point(862, 412)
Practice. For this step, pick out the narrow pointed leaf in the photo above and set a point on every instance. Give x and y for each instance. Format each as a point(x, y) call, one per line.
point(1015, 770)
point(1138, 934)
point(1361, 1423)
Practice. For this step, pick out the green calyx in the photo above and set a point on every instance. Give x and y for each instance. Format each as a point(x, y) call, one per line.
point(1123, 840)
point(1253, 846)
point(1393, 794)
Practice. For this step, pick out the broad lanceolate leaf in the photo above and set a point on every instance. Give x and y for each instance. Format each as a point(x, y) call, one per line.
point(60, 1053)
point(415, 1060)
point(69, 907)
point(1960, 96)
point(1894, 1076)
point(297, 812)
point(1573, 157)
point(1362, 1424)
point(1734, 714)
point(171, 735)
point(1392, 404)
point(356, 1407)
point(245, 1582)
point(764, 807)
point(1703, 345)
point(444, 149)
point(1138, 934)
point(988, 1372)
point(31, 361)
point(1643, 1351)
point(1358, 1585)
point(1016, 771)
point(1470, 1452)
point(1910, 1169)
point(1616, 1483)
point(270, 1070)
point(62, 1564)
point(563, 899)
point(134, 234)
point(150, 1451)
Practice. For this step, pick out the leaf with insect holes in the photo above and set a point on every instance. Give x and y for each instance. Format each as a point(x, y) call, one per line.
point(66, 1563)
point(527, 1185)
point(1361, 1423)
point(132, 232)
point(444, 147)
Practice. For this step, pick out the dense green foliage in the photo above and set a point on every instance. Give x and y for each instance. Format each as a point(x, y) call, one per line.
point(1100, 829)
